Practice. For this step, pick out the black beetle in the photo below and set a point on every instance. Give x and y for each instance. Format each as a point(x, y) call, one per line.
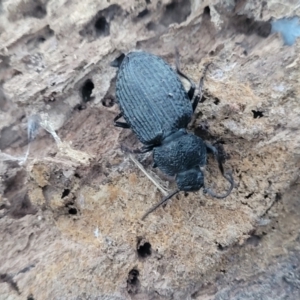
point(158, 109)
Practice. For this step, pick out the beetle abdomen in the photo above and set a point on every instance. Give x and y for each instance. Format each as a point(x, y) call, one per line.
point(151, 97)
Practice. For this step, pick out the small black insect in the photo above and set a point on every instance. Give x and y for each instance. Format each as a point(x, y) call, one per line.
point(157, 108)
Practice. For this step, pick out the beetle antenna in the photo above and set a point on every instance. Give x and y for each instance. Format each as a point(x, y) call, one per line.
point(165, 199)
point(229, 178)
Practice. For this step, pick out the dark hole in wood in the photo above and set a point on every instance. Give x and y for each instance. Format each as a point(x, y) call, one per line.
point(257, 114)
point(206, 11)
point(102, 26)
point(86, 90)
point(133, 282)
point(216, 101)
point(143, 249)
point(65, 193)
point(143, 13)
point(249, 195)
point(73, 211)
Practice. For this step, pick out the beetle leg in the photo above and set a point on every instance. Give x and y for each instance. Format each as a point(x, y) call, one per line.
point(147, 148)
point(144, 149)
point(120, 124)
point(199, 96)
point(118, 61)
point(218, 157)
point(227, 175)
point(192, 89)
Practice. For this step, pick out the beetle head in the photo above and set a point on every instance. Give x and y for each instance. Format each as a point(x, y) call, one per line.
point(190, 181)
